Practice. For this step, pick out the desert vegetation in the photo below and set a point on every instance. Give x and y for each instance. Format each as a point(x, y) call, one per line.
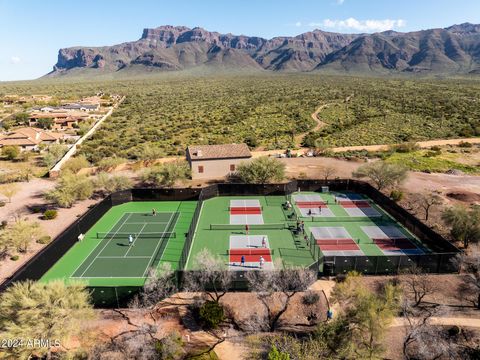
point(162, 115)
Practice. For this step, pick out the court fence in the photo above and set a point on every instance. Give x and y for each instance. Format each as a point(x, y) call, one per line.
point(439, 261)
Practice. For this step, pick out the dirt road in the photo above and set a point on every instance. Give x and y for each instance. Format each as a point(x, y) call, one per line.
point(421, 144)
point(320, 123)
point(452, 321)
point(30, 194)
point(311, 167)
point(382, 147)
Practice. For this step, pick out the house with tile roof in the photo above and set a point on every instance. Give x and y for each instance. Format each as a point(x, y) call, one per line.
point(61, 121)
point(216, 161)
point(30, 138)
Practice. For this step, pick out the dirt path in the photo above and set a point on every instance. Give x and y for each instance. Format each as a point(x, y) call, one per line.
point(453, 321)
point(320, 123)
point(31, 194)
point(421, 144)
point(381, 147)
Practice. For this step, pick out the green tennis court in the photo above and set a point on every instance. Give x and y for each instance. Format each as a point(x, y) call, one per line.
point(132, 246)
point(105, 256)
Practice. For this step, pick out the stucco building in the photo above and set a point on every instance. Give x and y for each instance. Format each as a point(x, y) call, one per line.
point(216, 161)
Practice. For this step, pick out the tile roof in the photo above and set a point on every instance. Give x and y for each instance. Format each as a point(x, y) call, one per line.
point(29, 136)
point(226, 151)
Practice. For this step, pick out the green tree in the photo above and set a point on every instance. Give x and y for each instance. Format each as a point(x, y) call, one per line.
point(9, 190)
point(109, 184)
point(261, 170)
point(45, 123)
point(69, 189)
point(382, 174)
point(464, 223)
point(368, 314)
point(53, 153)
point(21, 234)
point(75, 164)
point(167, 174)
point(212, 314)
point(54, 311)
point(150, 153)
point(22, 118)
point(11, 152)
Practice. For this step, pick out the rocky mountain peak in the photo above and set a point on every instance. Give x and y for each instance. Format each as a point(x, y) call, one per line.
point(450, 50)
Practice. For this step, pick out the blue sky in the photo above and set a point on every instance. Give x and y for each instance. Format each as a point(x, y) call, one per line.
point(31, 32)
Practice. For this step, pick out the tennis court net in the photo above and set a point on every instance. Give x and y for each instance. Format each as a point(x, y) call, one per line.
point(142, 235)
point(250, 251)
point(246, 207)
point(337, 241)
point(275, 226)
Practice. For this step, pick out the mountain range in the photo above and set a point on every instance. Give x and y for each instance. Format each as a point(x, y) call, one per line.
point(451, 50)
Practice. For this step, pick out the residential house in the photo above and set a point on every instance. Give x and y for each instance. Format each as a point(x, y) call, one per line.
point(87, 107)
point(61, 121)
point(216, 161)
point(30, 138)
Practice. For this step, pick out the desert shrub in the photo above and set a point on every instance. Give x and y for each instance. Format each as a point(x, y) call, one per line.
point(396, 195)
point(275, 354)
point(76, 164)
point(44, 240)
point(50, 214)
point(10, 152)
point(3, 224)
point(203, 354)
point(405, 147)
point(111, 183)
point(464, 144)
point(53, 153)
point(436, 148)
point(261, 170)
point(70, 188)
point(2, 203)
point(166, 174)
point(302, 175)
point(35, 209)
point(170, 347)
point(14, 257)
point(310, 298)
point(211, 314)
point(382, 174)
point(432, 153)
point(109, 163)
point(251, 141)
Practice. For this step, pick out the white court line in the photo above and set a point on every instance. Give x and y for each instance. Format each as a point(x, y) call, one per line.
point(148, 212)
point(330, 235)
point(122, 257)
point(195, 233)
point(108, 242)
point(107, 277)
point(134, 240)
point(141, 223)
point(160, 242)
point(90, 253)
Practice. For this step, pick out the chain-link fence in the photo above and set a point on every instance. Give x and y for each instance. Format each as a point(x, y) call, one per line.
point(439, 261)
